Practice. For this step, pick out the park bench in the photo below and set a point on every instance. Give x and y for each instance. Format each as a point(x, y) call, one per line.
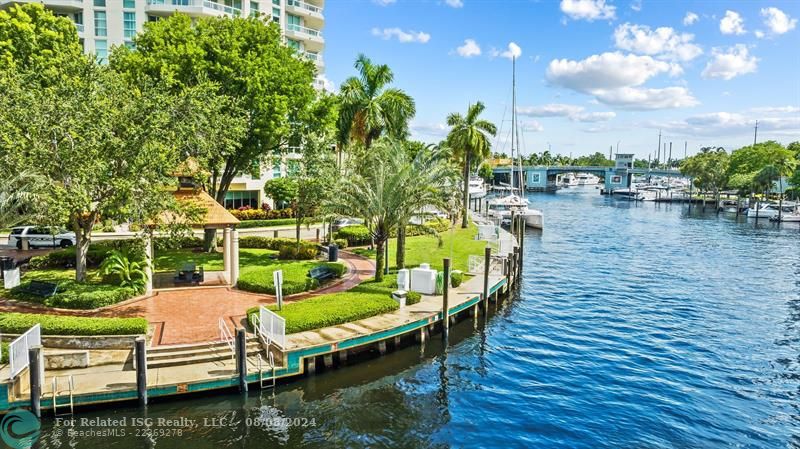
point(321, 273)
point(40, 288)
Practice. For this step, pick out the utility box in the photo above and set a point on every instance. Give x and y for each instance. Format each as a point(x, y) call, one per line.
point(400, 296)
point(403, 280)
point(423, 280)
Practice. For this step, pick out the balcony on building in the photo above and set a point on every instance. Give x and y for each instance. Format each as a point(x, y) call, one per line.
point(315, 57)
point(194, 8)
point(310, 12)
point(56, 5)
point(312, 38)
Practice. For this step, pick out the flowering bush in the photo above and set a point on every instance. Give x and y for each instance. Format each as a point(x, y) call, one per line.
point(246, 213)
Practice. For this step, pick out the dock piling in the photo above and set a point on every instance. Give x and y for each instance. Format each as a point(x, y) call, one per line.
point(140, 353)
point(241, 359)
point(327, 359)
point(487, 261)
point(35, 369)
point(446, 299)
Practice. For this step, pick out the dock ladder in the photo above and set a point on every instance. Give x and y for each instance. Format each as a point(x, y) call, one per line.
point(270, 383)
point(67, 393)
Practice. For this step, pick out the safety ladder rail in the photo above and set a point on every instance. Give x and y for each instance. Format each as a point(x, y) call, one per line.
point(271, 369)
point(69, 391)
point(226, 336)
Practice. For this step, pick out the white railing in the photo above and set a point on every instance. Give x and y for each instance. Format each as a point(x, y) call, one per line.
point(272, 327)
point(224, 8)
point(197, 3)
point(304, 30)
point(226, 336)
point(18, 349)
point(475, 264)
point(304, 5)
point(488, 232)
point(79, 26)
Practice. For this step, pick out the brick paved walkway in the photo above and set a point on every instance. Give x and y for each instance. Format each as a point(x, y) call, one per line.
point(192, 315)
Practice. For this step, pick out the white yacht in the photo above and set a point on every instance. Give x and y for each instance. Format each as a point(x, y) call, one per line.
point(629, 194)
point(569, 180)
point(477, 188)
point(502, 208)
point(765, 210)
point(587, 179)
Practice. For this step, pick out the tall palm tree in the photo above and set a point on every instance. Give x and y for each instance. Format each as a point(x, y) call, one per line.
point(469, 138)
point(369, 108)
point(17, 191)
point(385, 188)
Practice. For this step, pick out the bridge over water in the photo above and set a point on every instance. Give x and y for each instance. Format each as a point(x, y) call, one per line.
point(542, 178)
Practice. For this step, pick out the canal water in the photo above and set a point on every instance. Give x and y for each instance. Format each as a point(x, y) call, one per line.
point(636, 325)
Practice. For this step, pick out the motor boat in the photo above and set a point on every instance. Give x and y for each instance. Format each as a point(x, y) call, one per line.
point(629, 194)
point(586, 179)
point(503, 207)
point(477, 188)
point(766, 210)
point(569, 180)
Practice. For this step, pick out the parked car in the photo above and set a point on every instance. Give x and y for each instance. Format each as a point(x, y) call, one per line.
point(344, 222)
point(41, 237)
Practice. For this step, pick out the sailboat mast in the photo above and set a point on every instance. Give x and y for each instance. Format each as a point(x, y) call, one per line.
point(513, 114)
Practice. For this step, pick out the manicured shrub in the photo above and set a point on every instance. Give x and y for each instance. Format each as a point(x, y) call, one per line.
point(293, 251)
point(247, 224)
point(339, 268)
point(65, 258)
point(262, 282)
point(264, 242)
point(73, 295)
point(413, 298)
point(260, 214)
point(3, 352)
point(355, 235)
point(456, 278)
point(17, 323)
point(341, 243)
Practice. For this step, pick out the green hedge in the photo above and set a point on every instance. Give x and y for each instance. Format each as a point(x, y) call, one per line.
point(293, 251)
point(264, 242)
point(3, 352)
point(295, 279)
point(65, 258)
point(17, 323)
point(247, 224)
point(341, 243)
point(357, 235)
point(456, 278)
point(73, 295)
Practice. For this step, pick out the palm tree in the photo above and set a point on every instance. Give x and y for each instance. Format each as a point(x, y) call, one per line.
point(369, 108)
point(16, 192)
point(785, 164)
point(385, 189)
point(469, 138)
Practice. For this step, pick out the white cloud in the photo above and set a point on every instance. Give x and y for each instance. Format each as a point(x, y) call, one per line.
point(690, 18)
point(439, 130)
point(776, 109)
point(663, 42)
point(777, 21)
point(760, 34)
point(514, 51)
point(729, 123)
point(636, 98)
point(469, 49)
point(732, 23)
point(532, 126)
point(636, 5)
point(573, 112)
point(588, 10)
point(606, 71)
point(402, 36)
point(383, 2)
point(730, 63)
point(454, 3)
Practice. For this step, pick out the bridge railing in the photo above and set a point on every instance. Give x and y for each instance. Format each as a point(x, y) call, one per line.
point(18, 349)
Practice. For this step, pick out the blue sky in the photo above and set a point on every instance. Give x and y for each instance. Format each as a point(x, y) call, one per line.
point(590, 73)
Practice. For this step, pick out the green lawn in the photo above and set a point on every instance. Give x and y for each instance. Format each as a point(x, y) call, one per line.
point(457, 244)
point(71, 294)
point(171, 260)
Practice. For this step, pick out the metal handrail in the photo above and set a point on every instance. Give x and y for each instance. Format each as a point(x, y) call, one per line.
point(304, 30)
point(226, 336)
point(71, 388)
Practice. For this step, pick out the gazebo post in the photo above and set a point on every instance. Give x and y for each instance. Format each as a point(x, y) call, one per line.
point(234, 257)
point(148, 265)
point(226, 253)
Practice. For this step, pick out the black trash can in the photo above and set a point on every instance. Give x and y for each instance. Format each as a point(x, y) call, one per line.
point(333, 253)
point(6, 263)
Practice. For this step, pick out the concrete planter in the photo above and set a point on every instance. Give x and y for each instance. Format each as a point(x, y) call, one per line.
point(84, 341)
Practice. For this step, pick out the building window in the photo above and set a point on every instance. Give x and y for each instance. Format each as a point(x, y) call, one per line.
point(276, 15)
point(129, 4)
point(293, 44)
point(241, 198)
point(276, 2)
point(79, 18)
point(292, 168)
point(276, 170)
point(293, 22)
point(253, 9)
point(616, 179)
point(101, 50)
point(129, 22)
point(535, 178)
point(101, 3)
point(100, 28)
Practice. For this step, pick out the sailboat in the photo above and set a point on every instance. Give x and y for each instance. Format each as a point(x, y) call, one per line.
point(503, 206)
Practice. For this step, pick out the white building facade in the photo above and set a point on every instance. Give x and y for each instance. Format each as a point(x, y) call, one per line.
point(103, 24)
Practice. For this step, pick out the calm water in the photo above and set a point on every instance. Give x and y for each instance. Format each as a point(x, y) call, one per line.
point(636, 326)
